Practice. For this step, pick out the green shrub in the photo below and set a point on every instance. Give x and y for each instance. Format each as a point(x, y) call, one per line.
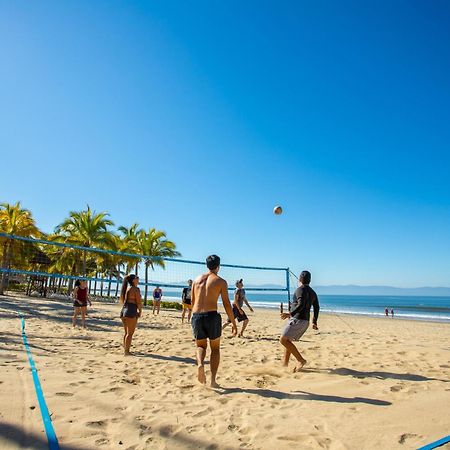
point(167, 305)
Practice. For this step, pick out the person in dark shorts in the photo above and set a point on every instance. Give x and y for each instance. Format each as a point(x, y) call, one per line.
point(206, 321)
point(238, 312)
point(299, 315)
point(80, 302)
point(186, 302)
point(130, 298)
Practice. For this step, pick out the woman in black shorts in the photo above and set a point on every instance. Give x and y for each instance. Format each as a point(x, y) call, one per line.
point(130, 298)
point(80, 302)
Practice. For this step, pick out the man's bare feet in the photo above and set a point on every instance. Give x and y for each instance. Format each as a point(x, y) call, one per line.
point(201, 374)
point(300, 366)
point(214, 385)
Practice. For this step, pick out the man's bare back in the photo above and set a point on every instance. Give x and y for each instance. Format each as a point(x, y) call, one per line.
point(205, 292)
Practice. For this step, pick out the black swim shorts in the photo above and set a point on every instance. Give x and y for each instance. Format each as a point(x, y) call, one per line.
point(129, 310)
point(237, 315)
point(207, 325)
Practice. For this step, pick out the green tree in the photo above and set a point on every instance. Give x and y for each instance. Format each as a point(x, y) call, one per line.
point(154, 246)
point(130, 244)
point(86, 228)
point(17, 221)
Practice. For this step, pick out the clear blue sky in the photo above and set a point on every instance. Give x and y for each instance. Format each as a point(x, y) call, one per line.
point(199, 117)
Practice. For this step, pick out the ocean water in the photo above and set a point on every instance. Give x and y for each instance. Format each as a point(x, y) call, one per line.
point(405, 307)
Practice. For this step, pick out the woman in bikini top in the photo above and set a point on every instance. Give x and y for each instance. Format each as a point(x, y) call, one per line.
point(130, 298)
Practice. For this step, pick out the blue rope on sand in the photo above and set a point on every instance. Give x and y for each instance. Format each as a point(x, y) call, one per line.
point(49, 430)
point(436, 444)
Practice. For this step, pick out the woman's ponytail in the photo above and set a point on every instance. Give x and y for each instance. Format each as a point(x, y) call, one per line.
point(128, 280)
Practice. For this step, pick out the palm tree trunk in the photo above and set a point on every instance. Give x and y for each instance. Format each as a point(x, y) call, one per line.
point(84, 263)
point(5, 265)
point(118, 280)
point(146, 286)
point(109, 284)
point(95, 283)
point(70, 287)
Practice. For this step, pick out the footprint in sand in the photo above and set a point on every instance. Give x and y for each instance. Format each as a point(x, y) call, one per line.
point(64, 394)
point(202, 413)
point(166, 430)
point(113, 389)
point(102, 441)
point(404, 437)
point(144, 429)
point(262, 383)
point(96, 424)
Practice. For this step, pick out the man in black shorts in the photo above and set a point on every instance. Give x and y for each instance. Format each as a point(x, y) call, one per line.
point(206, 321)
point(299, 314)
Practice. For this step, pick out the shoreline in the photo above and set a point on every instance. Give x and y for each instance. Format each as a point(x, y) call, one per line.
point(368, 315)
point(398, 316)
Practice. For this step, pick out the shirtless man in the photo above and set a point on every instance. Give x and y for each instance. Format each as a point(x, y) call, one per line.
point(206, 321)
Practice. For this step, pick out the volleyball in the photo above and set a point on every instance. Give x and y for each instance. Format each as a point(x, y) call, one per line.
point(277, 210)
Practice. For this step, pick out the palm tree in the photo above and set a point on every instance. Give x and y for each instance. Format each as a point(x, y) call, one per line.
point(17, 221)
point(87, 229)
point(154, 246)
point(130, 244)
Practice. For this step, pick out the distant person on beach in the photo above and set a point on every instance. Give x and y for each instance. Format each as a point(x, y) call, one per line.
point(206, 321)
point(130, 298)
point(186, 301)
point(392, 312)
point(386, 311)
point(299, 315)
point(238, 312)
point(81, 300)
point(157, 296)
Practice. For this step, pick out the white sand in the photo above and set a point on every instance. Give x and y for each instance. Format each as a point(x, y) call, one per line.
point(369, 383)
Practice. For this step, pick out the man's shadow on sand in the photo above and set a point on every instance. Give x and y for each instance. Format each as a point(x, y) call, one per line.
point(174, 358)
point(343, 371)
point(302, 395)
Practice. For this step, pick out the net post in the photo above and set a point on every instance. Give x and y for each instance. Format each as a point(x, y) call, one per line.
point(288, 285)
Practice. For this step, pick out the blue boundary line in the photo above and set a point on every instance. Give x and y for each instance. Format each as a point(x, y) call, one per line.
point(436, 444)
point(129, 255)
point(49, 430)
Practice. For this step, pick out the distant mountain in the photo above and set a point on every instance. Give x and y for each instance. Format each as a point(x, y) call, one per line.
point(351, 289)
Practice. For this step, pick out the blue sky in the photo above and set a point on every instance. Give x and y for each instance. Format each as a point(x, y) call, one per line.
point(199, 117)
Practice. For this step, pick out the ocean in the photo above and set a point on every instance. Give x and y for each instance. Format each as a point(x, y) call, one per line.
point(405, 307)
point(430, 308)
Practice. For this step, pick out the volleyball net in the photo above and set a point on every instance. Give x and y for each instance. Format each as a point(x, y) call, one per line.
point(45, 267)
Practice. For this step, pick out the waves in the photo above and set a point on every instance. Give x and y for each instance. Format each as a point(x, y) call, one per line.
point(435, 309)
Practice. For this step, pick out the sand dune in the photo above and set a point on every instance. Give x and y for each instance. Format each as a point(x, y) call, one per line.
point(369, 383)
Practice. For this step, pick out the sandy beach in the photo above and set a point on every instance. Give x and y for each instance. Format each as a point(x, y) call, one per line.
point(369, 383)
